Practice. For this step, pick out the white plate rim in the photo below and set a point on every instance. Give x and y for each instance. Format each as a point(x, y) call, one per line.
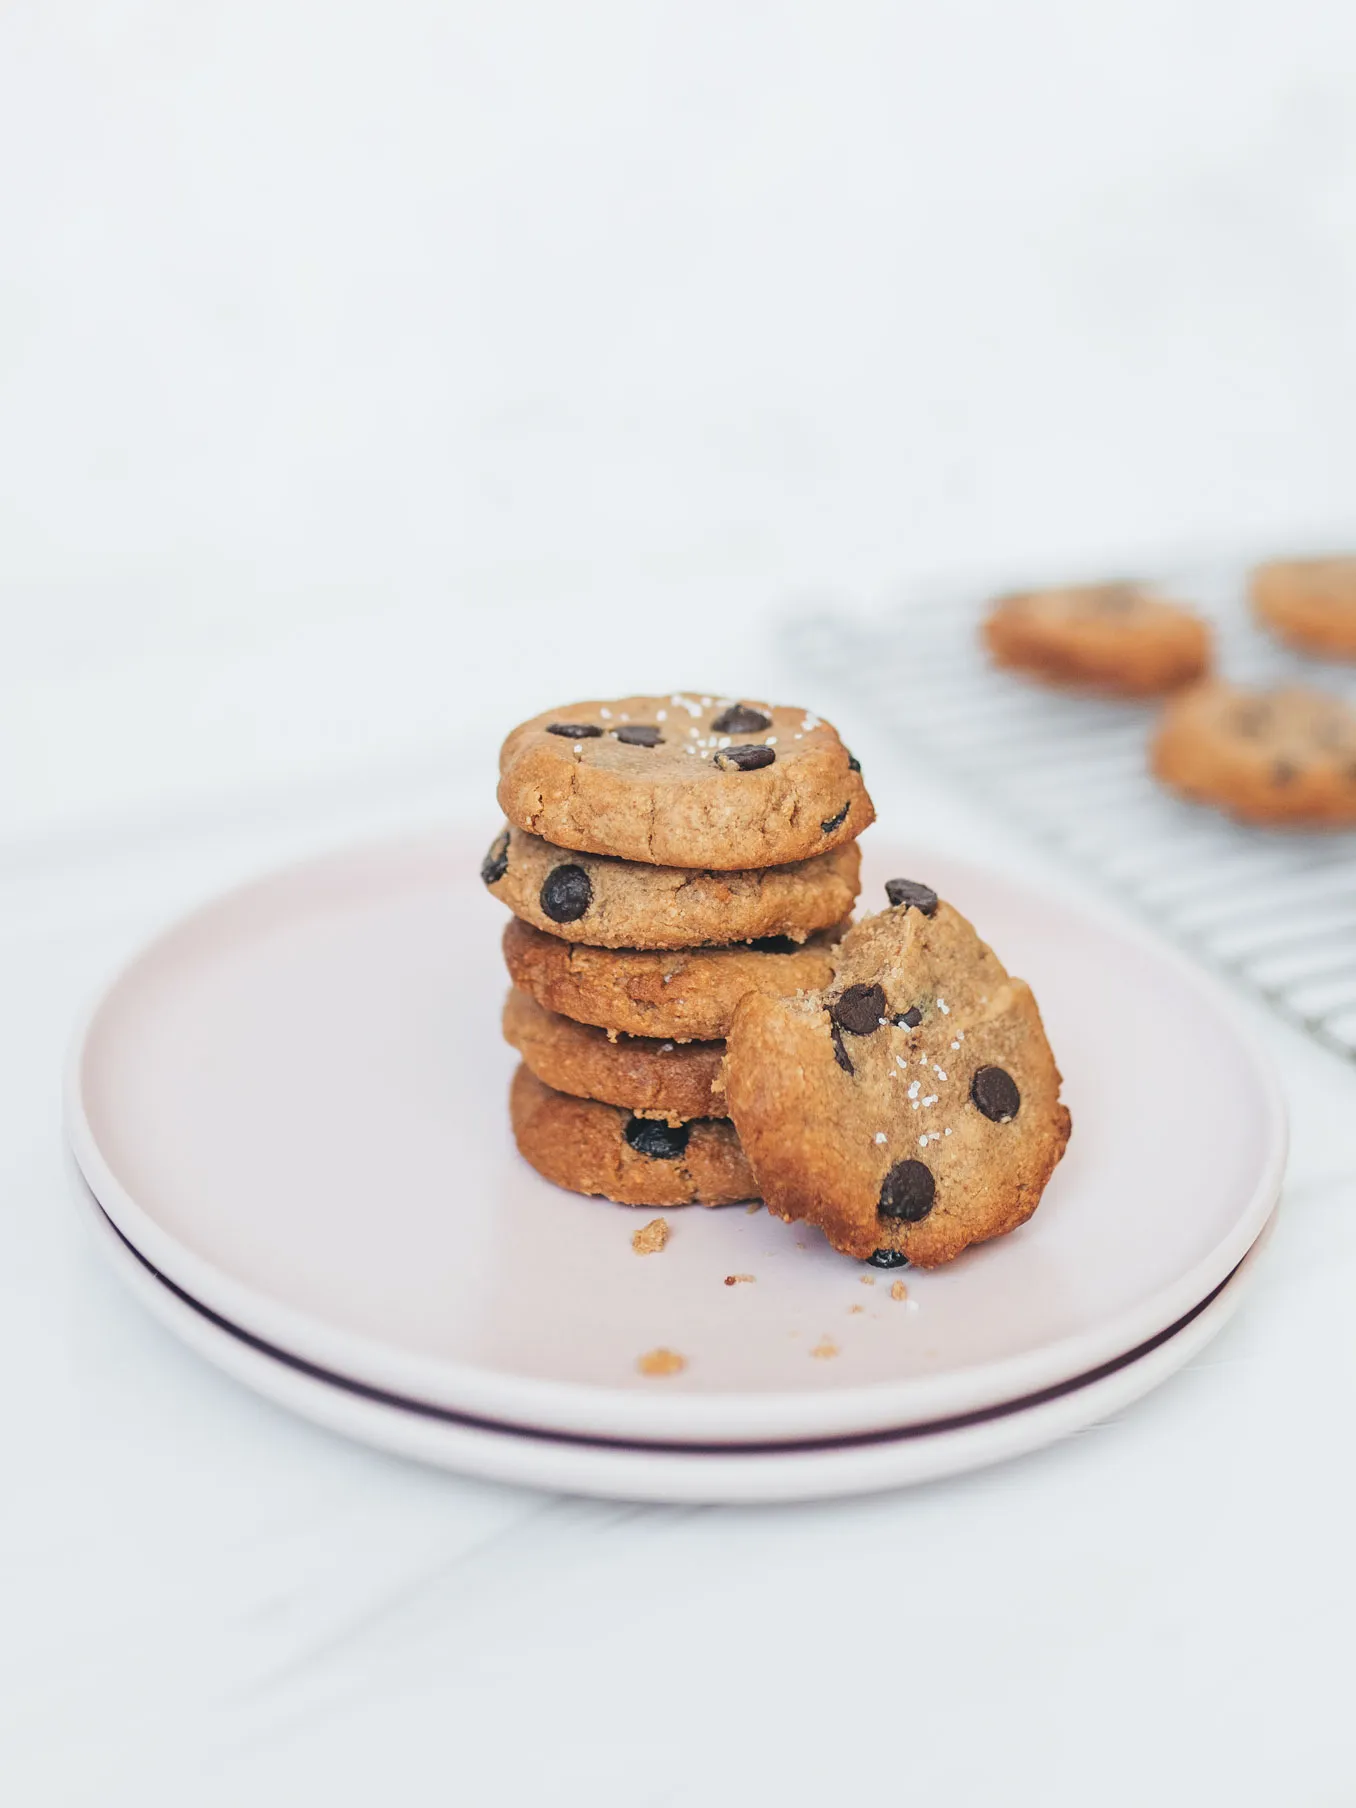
point(746, 1476)
point(568, 1406)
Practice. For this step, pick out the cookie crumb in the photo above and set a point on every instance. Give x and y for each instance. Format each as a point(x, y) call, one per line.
point(852, 1309)
point(661, 1362)
point(899, 1291)
point(733, 1280)
point(868, 1280)
point(825, 1348)
point(753, 1207)
point(651, 1237)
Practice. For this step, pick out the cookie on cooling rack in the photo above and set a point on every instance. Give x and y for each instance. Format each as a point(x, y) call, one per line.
point(1309, 603)
point(912, 1106)
point(1285, 756)
point(1118, 639)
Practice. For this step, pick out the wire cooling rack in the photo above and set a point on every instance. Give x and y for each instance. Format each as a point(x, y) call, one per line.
point(1275, 910)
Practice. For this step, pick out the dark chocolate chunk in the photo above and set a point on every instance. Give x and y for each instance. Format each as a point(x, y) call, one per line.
point(854, 764)
point(907, 1191)
point(889, 1258)
point(495, 864)
point(840, 1054)
point(995, 1092)
point(741, 719)
point(910, 1019)
point(909, 892)
point(638, 734)
point(745, 759)
point(859, 1010)
point(1283, 772)
point(836, 822)
point(661, 1141)
point(566, 893)
point(774, 944)
point(574, 731)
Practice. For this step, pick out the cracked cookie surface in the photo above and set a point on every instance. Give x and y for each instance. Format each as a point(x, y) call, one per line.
point(589, 1147)
point(1284, 756)
point(649, 1076)
point(1115, 638)
point(910, 1108)
point(685, 780)
point(625, 904)
point(680, 995)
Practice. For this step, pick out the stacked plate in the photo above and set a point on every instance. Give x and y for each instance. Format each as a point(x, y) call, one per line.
point(287, 1115)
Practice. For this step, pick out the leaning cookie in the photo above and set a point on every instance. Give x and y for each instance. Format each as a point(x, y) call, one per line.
point(1114, 638)
point(591, 1148)
point(684, 781)
point(1311, 603)
point(912, 1107)
point(626, 904)
point(679, 996)
point(653, 1078)
point(1283, 757)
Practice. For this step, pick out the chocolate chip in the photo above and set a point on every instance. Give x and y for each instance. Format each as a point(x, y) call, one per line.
point(774, 944)
point(840, 1054)
point(1115, 599)
point(859, 1010)
point(907, 1191)
point(889, 1258)
point(1283, 772)
point(836, 822)
point(910, 1019)
point(495, 864)
point(661, 1141)
point(740, 719)
point(995, 1092)
point(910, 893)
point(639, 734)
point(854, 764)
point(745, 759)
point(566, 893)
point(574, 731)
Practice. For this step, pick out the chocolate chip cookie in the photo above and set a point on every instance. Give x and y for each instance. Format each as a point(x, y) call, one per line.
point(624, 904)
point(912, 1106)
point(1311, 603)
point(687, 995)
point(1113, 638)
point(1265, 756)
point(651, 1077)
point(592, 1148)
point(684, 780)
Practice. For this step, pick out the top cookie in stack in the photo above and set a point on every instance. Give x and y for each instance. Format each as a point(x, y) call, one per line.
point(664, 857)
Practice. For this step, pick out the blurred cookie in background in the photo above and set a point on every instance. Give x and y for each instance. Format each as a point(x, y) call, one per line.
point(1285, 756)
point(1116, 639)
point(1309, 603)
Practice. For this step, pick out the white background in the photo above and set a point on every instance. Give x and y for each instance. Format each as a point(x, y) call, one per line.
point(374, 375)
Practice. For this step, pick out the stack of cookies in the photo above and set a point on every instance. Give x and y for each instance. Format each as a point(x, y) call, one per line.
point(664, 858)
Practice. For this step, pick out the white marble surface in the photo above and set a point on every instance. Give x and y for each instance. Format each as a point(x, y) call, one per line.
point(370, 375)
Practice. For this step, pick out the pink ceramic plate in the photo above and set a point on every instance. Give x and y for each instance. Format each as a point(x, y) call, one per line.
point(731, 1474)
point(293, 1106)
